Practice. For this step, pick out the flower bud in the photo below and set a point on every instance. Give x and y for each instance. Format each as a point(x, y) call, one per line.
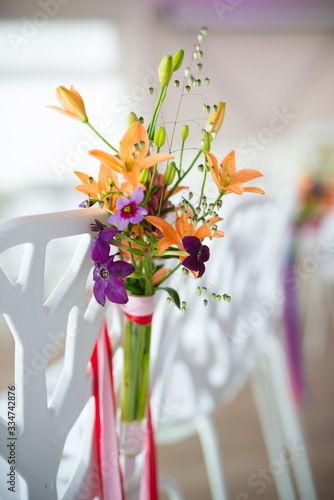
point(205, 302)
point(201, 167)
point(206, 141)
point(143, 178)
point(204, 290)
point(190, 195)
point(227, 298)
point(187, 87)
point(218, 298)
point(204, 31)
point(177, 83)
point(199, 67)
point(169, 300)
point(184, 132)
point(200, 38)
point(141, 120)
point(184, 310)
point(199, 291)
point(159, 137)
point(132, 118)
point(170, 173)
point(178, 59)
point(213, 296)
point(206, 81)
point(151, 90)
point(216, 118)
point(185, 271)
point(187, 72)
point(165, 71)
point(183, 303)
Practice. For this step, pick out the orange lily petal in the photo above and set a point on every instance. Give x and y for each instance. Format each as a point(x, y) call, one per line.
point(78, 97)
point(67, 113)
point(134, 135)
point(159, 275)
point(254, 190)
point(111, 160)
point(245, 175)
point(229, 163)
point(152, 160)
point(170, 235)
point(105, 173)
point(235, 188)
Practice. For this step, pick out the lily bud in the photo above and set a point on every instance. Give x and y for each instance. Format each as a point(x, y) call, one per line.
point(72, 103)
point(159, 137)
point(184, 132)
point(170, 173)
point(206, 141)
point(165, 71)
point(132, 118)
point(178, 59)
point(143, 178)
point(216, 118)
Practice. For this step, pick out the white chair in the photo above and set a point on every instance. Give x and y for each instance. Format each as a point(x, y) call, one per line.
point(204, 357)
point(44, 421)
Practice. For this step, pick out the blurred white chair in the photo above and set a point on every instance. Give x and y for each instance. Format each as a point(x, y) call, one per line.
point(204, 357)
point(43, 420)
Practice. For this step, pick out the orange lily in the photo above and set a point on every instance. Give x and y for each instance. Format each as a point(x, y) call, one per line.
point(72, 103)
point(93, 189)
point(227, 179)
point(175, 236)
point(132, 156)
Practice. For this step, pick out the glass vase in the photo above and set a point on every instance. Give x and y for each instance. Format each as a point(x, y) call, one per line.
point(137, 339)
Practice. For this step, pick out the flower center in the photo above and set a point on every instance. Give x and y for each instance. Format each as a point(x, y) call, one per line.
point(104, 273)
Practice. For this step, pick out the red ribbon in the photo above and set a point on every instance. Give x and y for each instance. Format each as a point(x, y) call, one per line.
point(140, 320)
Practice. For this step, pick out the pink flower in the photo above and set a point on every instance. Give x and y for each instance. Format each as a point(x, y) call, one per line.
point(129, 210)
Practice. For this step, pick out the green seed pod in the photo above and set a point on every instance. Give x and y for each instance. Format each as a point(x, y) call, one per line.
point(201, 167)
point(206, 81)
point(142, 144)
point(132, 118)
point(213, 296)
point(170, 173)
point(184, 132)
point(185, 271)
point(206, 141)
point(218, 298)
point(183, 303)
point(204, 31)
point(159, 137)
point(227, 298)
point(198, 210)
point(199, 291)
point(177, 83)
point(190, 195)
point(141, 120)
point(178, 59)
point(169, 300)
point(187, 88)
point(205, 302)
point(204, 290)
point(187, 72)
point(165, 70)
point(184, 310)
point(151, 90)
point(143, 178)
point(90, 180)
point(200, 38)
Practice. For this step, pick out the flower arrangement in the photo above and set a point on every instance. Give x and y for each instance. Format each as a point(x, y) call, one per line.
point(138, 197)
point(316, 189)
point(152, 218)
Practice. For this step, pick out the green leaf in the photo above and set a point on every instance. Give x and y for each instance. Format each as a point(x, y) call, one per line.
point(172, 293)
point(133, 286)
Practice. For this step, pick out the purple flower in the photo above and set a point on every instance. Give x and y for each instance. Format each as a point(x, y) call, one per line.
point(83, 204)
point(198, 254)
point(100, 249)
point(129, 210)
point(107, 277)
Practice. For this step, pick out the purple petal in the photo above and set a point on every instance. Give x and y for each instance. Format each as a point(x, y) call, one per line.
point(139, 215)
point(99, 251)
point(115, 291)
point(192, 245)
point(137, 196)
point(121, 269)
point(123, 202)
point(194, 265)
point(123, 223)
point(114, 218)
point(108, 234)
point(97, 226)
point(204, 253)
point(99, 291)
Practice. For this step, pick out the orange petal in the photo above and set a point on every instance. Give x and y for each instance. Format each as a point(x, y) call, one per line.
point(67, 113)
point(111, 160)
point(229, 163)
point(213, 162)
point(254, 190)
point(105, 173)
point(152, 160)
point(170, 235)
point(134, 135)
point(245, 175)
point(235, 188)
point(159, 275)
point(78, 97)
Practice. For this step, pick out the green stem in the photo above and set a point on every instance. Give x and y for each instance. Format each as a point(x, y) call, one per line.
point(183, 176)
point(203, 185)
point(102, 138)
point(148, 193)
point(161, 200)
point(151, 127)
point(145, 371)
point(170, 273)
